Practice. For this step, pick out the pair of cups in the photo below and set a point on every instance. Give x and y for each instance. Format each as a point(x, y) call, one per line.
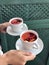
point(29, 38)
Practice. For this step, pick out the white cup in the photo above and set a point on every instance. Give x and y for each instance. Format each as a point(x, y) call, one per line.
point(16, 24)
point(25, 36)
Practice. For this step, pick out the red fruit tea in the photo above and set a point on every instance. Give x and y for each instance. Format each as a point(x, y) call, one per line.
point(16, 21)
point(29, 36)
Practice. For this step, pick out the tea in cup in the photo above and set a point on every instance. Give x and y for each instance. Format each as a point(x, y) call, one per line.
point(29, 39)
point(16, 24)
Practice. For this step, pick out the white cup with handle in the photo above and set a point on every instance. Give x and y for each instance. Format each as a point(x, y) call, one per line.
point(16, 24)
point(29, 39)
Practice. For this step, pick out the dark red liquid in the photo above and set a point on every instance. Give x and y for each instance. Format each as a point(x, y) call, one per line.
point(29, 36)
point(16, 21)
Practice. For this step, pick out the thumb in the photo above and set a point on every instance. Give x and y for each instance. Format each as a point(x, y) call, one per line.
point(29, 56)
point(6, 24)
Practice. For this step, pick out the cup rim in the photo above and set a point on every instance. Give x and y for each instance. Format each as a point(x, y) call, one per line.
point(15, 18)
point(29, 31)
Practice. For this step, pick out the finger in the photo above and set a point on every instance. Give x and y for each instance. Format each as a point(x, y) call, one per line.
point(6, 24)
point(3, 31)
point(24, 52)
point(27, 53)
point(31, 57)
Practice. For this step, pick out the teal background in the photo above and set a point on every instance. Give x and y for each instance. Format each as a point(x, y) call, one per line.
point(35, 14)
point(23, 1)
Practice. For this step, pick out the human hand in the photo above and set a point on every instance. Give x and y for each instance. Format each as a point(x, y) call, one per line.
point(17, 57)
point(3, 27)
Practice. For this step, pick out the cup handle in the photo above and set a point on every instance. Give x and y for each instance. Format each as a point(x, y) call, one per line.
point(22, 26)
point(35, 46)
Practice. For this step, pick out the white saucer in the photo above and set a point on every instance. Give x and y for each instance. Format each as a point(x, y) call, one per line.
point(10, 31)
point(34, 51)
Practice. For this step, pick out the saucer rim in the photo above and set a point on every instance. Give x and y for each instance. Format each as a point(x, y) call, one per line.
point(31, 50)
point(15, 33)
